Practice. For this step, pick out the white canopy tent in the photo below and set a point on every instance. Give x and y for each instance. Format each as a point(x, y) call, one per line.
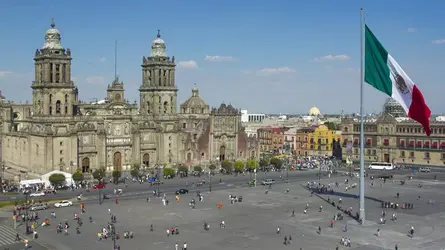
point(68, 177)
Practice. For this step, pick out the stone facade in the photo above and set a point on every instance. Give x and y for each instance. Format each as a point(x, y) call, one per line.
point(58, 131)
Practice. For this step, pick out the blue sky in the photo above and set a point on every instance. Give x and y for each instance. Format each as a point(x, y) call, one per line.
point(264, 56)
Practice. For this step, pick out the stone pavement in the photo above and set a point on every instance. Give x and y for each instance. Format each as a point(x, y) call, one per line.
point(252, 224)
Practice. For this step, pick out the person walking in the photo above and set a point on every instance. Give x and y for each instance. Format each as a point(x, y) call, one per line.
point(17, 237)
point(184, 247)
point(176, 246)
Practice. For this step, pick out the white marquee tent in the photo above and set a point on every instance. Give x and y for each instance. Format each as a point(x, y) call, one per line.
point(68, 177)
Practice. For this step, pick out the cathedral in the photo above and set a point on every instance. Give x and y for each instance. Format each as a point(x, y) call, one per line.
point(59, 132)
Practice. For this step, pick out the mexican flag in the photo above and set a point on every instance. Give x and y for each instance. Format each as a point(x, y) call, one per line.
point(385, 74)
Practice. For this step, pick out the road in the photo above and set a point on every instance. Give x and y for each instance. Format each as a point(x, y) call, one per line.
point(170, 186)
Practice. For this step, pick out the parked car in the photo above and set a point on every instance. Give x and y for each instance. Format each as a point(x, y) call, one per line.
point(37, 194)
point(63, 204)
point(182, 191)
point(424, 170)
point(99, 186)
point(39, 207)
point(268, 182)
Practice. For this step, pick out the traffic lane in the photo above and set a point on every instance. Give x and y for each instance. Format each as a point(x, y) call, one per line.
point(134, 187)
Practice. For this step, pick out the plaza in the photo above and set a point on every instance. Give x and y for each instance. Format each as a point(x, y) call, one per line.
point(252, 223)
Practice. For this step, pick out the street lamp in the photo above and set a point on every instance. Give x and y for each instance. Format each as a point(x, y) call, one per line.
point(28, 231)
point(113, 235)
point(210, 182)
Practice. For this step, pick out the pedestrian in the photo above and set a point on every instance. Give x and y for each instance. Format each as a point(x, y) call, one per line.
point(168, 232)
point(176, 246)
point(289, 239)
point(285, 240)
point(17, 237)
point(278, 230)
point(184, 247)
point(396, 247)
point(378, 232)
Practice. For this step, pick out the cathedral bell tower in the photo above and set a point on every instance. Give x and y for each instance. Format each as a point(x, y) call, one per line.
point(158, 91)
point(54, 94)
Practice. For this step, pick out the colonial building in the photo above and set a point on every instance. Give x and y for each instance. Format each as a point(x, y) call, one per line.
point(58, 131)
point(397, 140)
point(316, 141)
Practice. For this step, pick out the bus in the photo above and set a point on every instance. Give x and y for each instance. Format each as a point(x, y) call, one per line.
point(381, 166)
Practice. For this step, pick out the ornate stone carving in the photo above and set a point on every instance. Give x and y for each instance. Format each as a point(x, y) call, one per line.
point(118, 130)
point(127, 128)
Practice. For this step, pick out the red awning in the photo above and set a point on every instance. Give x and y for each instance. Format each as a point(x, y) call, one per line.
point(442, 145)
point(369, 141)
point(355, 140)
point(402, 142)
point(411, 143)
point(427, 143)
point(419, 143)
point(435, 144)
point(385, 141)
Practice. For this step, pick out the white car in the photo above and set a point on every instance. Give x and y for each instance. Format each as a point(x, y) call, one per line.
point(38, 194)
point(63, 204)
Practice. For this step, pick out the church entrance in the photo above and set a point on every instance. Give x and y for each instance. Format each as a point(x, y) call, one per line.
point(86, 165)
point(146, 160)
point(189, 157)
point(117, 161)
point(222, 153)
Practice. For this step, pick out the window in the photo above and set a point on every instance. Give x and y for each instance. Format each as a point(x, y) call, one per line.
point(402, 154)
point(368, 152)
point(61, 152)
point(148, 108)
point(66, 98)
point(165, 107)
point(356, 151)
point(184, 125)
point(195, 124)
point(427, 155)
point(442, 157)
point(58, 107)
point(66, 110)
point(170, 145)
point(195, 136)
point(374, 152)
point(61, 143)
point(411, 154)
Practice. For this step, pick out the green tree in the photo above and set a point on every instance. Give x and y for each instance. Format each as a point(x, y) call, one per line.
point(78, 176)
point(116, 174)
point(197, 169)
point(169, 172)
point(264, 163)
point(99, 174)
point(227, 166)
point(276, 162)
point(183, 169)
point(134, 172)
point(331, 125)
point(212, 167)
point(251, 165)
point(239, 166)
point(57, 180)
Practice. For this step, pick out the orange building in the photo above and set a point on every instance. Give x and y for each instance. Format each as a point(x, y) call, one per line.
point(272, 139)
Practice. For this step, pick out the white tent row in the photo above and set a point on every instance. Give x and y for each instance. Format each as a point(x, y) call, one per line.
point(68, 177)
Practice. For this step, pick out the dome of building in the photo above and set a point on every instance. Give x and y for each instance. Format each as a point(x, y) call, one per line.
point(314, 111)
point(158, 46)
point(52, 38)
point(393, 108)
point(195, 104)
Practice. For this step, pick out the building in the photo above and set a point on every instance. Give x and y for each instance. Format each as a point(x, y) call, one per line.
point(396, 140)
point(59, 132)
point(290, 141)
point(272, 139)
point(316, 141)
point(246, 117)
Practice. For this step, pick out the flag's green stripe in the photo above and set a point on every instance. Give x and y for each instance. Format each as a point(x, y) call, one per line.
point(376, 68)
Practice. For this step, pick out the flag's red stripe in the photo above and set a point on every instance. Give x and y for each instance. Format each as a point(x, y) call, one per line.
point(419, 111)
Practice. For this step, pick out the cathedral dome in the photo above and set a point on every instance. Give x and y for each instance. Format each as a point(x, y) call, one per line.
point(52, 38)
point(392, 107)
point(158, 46)
point(314, 111)
point(195, 100)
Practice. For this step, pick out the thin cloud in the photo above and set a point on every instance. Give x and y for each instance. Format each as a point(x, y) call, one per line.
point(412, 30)
point(5, 73)
point(95, 80)
point(188, 64)
point(277, 70)
point(102, 59)
point(439, 41)
point(331, 58)
point(219, 58)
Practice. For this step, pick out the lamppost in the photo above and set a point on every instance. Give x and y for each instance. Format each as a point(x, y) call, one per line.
point(28, 231)
point(100, 196)
point(210, 182)
point(113, 235)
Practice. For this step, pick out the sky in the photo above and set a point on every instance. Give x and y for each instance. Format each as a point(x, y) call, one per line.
point(264, 56)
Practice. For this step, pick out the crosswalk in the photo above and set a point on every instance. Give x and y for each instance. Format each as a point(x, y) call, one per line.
point(7, 235)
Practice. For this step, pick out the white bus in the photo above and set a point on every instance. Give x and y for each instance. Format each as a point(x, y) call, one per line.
point(381, 166)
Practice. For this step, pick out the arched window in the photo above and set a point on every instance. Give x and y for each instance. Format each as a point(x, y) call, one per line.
point(50, 110)
point(66, 110)
point(148, 108)
point(165, 107)
point(66, 98)
point(58, 107)
point(50, 98)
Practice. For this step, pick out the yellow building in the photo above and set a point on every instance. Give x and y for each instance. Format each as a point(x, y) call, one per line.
point(316, 141)
point(397, 140)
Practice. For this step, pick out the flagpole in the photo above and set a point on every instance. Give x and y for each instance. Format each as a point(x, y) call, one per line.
point(362, 145)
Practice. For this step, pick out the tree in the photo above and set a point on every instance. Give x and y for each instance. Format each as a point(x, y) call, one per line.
point(276, 162)
point(183, 169)
point(78, 176)
point(197, 169)
point(57, 180)
point(99, 174)
point(227, 166)
point(134, 172)
point(212, 167)
point(169, 172)
point(251, 165)
point(116, 175)
point(239, 166)
point(331, 125)
point(264, 163)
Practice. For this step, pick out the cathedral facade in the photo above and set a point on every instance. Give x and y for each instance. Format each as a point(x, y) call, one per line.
point(59, 132)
